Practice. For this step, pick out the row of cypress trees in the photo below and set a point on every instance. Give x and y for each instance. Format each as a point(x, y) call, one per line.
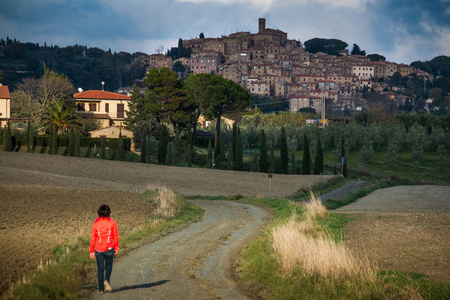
point(74, 145)
point(284, 155)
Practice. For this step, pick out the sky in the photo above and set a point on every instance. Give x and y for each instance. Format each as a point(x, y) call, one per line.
point(401, 30)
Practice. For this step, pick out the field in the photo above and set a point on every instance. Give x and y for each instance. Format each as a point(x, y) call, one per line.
point(48, 200)
point(36, 218)
point(404, 228)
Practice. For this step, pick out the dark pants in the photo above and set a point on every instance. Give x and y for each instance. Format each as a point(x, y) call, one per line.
point(104, 266)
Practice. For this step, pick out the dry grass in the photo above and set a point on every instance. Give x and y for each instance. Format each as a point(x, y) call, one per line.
point(300, 245)
point(167, 204)
point(314, 207)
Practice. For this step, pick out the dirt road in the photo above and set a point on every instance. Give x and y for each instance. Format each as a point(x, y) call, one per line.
point(344, 190)
point(195, 263)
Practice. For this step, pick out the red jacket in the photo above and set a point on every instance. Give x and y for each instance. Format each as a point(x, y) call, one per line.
point(104, 235)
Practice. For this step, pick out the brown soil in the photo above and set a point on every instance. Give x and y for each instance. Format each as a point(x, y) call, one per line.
point(404, 229)
point(36, 218)
point(413, 242)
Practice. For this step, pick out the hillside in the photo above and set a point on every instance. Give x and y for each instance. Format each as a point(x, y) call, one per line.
point(85, 67)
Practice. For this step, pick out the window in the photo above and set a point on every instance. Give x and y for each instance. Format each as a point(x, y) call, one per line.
point(120, 110)
point(92, 107)
point(80, 107)
point(107, 107)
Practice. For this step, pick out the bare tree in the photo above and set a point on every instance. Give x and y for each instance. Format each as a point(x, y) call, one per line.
point(32, 95)
point(25, 100)
point(159, 49)
point(54, 86)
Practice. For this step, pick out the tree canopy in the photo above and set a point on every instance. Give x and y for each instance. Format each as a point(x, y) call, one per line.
point(166, 98)
point(376, 57)
point(329, 46)
point(357, 51)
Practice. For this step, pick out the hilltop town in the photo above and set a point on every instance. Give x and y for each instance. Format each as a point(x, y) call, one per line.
point(270, 65)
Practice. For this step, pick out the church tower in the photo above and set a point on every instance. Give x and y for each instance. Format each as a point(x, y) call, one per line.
point(262, 25)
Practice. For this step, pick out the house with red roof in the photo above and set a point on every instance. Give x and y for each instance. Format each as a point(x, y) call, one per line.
point(109, 108)
point(5, 105)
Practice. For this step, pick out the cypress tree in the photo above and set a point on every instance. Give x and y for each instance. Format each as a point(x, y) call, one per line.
point(103, 148)
point(272, 160)
point(239, 158)
point(223, 157)
point(306, 164)
point(71, 146)
point(210, 153)
point(233, 141)
point(344, 167)
point(50, 139)
point(29, 140)
point(293, 169)
point(318, 162)
point(144, 150)
point(254, 165)
point(263, 153)
point(120, 154)
point(169, 156)
point(231, 154)
point(8, 139)
point(189, 133)
point(148, 149)
point(230, 157)
point(217, 152)
point(162, 147)
point(54, 140)
point(189, 155)
point(77, 144)
point(284, 152)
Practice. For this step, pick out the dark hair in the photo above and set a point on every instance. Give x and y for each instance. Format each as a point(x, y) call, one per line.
point(104, 211)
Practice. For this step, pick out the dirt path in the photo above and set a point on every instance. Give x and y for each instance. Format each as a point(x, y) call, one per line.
point(403, 199)
point(195, 263)
point(344, 190)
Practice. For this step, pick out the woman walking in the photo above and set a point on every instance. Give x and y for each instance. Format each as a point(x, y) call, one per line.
point(104, 245)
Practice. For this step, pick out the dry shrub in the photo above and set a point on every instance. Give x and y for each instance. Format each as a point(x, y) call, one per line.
point(167, 204)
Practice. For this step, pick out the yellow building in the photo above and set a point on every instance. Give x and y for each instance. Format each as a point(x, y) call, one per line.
point(109, 108)
point(5, 105)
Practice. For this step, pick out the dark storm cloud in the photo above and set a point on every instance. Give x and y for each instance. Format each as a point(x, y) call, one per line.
point(398, 29)
point(417, 19)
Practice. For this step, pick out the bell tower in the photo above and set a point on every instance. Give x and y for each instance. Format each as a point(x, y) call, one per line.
point(262, 25)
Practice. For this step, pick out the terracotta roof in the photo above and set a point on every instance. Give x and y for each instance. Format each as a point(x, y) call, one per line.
point(95, 94)
point(4, 92)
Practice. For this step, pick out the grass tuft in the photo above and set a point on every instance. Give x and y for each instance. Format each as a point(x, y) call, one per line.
point(167, 203)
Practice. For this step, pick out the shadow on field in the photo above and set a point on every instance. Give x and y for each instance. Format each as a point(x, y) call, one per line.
point(141, 286)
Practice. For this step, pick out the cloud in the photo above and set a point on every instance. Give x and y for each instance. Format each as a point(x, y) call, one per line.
point(403, 30)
